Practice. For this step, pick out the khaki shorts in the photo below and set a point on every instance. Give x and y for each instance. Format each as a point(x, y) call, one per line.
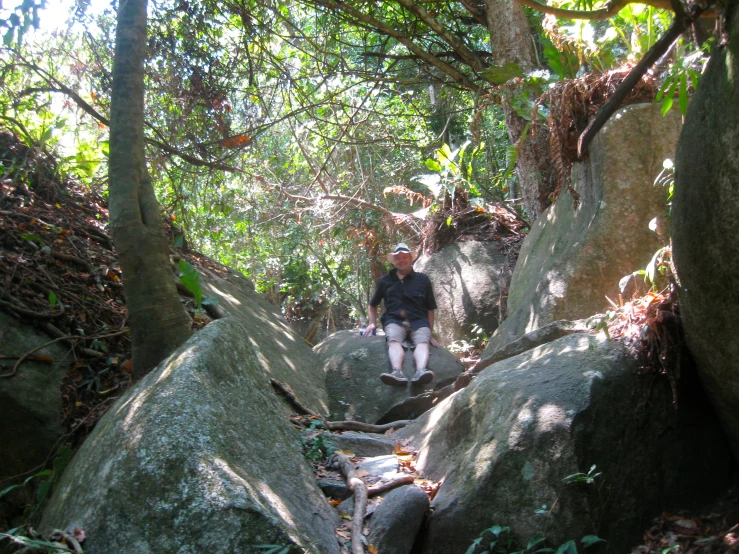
point(401, 333)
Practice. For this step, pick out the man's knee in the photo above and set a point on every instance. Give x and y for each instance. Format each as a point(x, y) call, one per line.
point(395, 333)
point(421, 336)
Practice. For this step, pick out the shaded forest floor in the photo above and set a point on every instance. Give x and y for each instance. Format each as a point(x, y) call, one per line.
point(58, 272)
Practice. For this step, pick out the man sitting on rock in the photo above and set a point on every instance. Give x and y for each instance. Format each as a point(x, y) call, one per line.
point(409, 316)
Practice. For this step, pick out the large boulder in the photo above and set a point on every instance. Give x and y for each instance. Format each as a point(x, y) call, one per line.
point(394, 524)
point(503, 445)
point(282, 353)
point(30, 405)
point(353, 366)
point(470, 280)
point(197, 457)
point(578, 251)
point(705, 227)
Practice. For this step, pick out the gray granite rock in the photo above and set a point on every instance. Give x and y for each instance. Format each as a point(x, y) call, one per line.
point(577, 251)
point(705, 227)
point(503, 445)
point(197, 457)
point(470, 280)
point(395, 523)
point(353, 366)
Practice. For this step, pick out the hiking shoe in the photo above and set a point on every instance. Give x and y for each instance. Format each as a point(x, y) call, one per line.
point(394, 378)
point(423, 377)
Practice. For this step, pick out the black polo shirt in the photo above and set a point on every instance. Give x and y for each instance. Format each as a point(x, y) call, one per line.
point(409, 298)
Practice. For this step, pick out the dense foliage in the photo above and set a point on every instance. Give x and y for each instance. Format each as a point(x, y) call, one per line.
point(296, 142)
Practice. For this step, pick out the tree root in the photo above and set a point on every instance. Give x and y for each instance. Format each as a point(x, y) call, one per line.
point(285, 391)
point(359, 490)
point(14, 306)
point(73, 259)
point(384, 487)
point(352, 425)
point(66, 338)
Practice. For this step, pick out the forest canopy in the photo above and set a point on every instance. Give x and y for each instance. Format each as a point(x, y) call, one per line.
point(295, 142)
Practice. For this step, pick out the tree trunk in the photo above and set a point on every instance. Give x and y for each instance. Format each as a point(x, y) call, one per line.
point(157, 319)
point(511, 42)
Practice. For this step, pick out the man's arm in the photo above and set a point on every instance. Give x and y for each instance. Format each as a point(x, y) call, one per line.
point(372, 325)
point(430, 316)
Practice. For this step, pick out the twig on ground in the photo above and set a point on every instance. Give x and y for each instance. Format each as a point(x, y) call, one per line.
point(365, 427)
point(359, 489)
point(353, 425)
point(29, 313)
point(384, 487)
point(64, 337)
point(74, 259)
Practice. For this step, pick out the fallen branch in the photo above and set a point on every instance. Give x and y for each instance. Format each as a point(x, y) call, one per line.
point(352, 425)
point(384, 487)
point(359, 490)
point(30, 313)
point(74, 259)
point(54, 331)
point(27, 354)
point(64, 338)
point(364, 427)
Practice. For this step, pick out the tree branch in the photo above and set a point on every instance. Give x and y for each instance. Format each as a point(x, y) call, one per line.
point(679, 25)
point(381, 27)
point(611, 9)
point(464, 53)
point(359, 489)
point(60, 87)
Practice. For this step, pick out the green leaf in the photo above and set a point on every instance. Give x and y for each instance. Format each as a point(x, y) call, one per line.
point(667, 103)
point(669, 98)
point(52, 300)
point(590, 540)
point(190, 278)
point(474, 545)
point(43, 491)
point(533, 542)
point(502, 73)
point(10, 488)
point(179, 241)
point(567, 548)
point(34, 238)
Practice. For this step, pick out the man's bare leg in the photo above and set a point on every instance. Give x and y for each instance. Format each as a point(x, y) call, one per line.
point(396, 354)
point(421, 357)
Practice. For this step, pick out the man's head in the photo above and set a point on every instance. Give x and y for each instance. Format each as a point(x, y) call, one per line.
point(401, 257)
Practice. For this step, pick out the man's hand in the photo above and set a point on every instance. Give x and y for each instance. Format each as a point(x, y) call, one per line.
point(433, 342)
point(369, 330)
